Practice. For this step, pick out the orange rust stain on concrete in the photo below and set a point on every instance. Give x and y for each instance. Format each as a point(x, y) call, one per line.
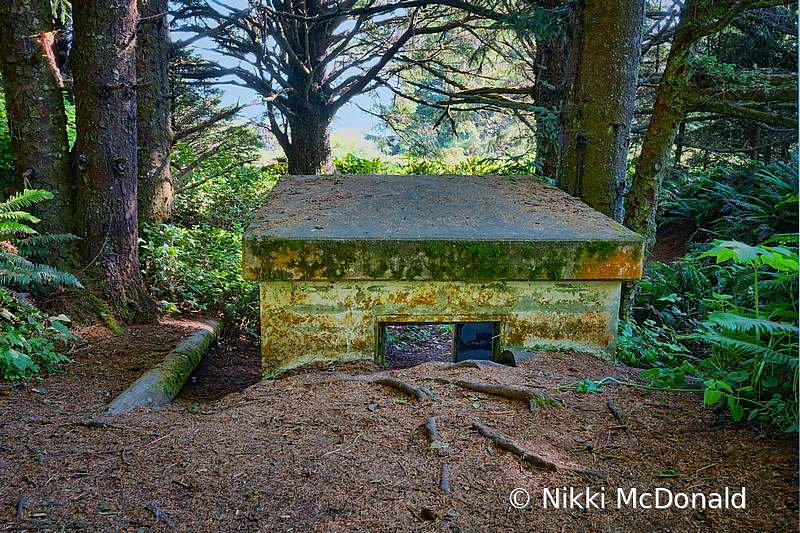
point(619, 266)
point(592, 327)
point(282, 261)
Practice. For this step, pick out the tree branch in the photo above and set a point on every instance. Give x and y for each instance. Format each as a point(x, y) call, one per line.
point(216, 118)
point(214, 175)
point(747, 113)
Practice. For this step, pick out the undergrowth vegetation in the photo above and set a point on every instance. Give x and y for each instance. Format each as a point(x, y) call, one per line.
point(29, 339)
point(411, 165)
point(727, 312)
point(194, 264)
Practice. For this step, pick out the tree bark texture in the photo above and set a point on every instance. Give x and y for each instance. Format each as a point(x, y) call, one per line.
point(35, 108)
point(549, 92)
point(672, 104)
point(309, 151)
point(104, 62)
point(602, 75)
point(154, 133)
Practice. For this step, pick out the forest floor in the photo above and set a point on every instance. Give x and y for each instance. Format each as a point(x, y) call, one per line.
point(314, 451)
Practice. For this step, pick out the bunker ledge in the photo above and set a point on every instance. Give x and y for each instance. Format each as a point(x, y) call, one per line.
point(444, 228)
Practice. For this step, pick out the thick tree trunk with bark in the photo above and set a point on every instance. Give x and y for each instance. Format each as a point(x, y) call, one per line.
point(309, 151)
point(668, 112)
point(153, 113)
point(602, 74)
point(104, 63)
point(549, 93)
point(35, 108)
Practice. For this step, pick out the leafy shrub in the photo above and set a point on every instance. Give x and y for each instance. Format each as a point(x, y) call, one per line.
point(6, 155)
point(227, 201)
point(473, 166)
point(411, 165)
point(674, 294)
point(744, 329)
point(29, 337)
point(351, 164)
point(198, 268)
point(648, 345)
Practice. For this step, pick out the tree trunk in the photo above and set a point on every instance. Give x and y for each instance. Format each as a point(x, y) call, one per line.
point(154, 137)
point(603, 64)
point(35, 108)
point(309, 151)
point(104, 63)
point(669, 111)
point(549, 93)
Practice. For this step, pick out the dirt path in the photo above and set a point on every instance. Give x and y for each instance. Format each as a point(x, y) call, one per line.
point(313, 451)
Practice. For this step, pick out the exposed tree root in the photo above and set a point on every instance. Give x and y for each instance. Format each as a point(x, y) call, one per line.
point(443, 483)
point(420, 393)
point(94, 424)
point(432, 435)
point(621, 421)
point(533, 398)
point(161, 515)
point(430, 429)
point(531, 458)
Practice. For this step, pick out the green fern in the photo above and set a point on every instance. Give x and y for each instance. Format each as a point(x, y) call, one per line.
point(23, 199)
point(733, 322)
point(19, 241)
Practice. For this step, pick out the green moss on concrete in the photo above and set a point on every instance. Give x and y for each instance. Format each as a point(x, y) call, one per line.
point(601, 249)
point(333, 260)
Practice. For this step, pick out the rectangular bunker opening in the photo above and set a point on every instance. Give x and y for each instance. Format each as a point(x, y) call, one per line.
point(405, 344)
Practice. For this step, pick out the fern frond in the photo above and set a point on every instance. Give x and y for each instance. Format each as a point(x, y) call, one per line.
point(7, 229)
point(752, 349)
point(16, 215)
point(46, 239)
point(47, 275)
point(26, 198)
point(733, 322)
point(9, 260)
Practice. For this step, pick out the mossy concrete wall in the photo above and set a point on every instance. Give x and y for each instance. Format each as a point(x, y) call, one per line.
point(309, 321)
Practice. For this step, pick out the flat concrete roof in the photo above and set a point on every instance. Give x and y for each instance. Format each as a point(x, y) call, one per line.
point(364, 227)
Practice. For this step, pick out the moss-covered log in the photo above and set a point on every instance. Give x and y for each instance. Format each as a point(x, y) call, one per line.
point(162, 383)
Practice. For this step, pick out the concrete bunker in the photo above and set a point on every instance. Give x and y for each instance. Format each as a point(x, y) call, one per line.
point(337, 257)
